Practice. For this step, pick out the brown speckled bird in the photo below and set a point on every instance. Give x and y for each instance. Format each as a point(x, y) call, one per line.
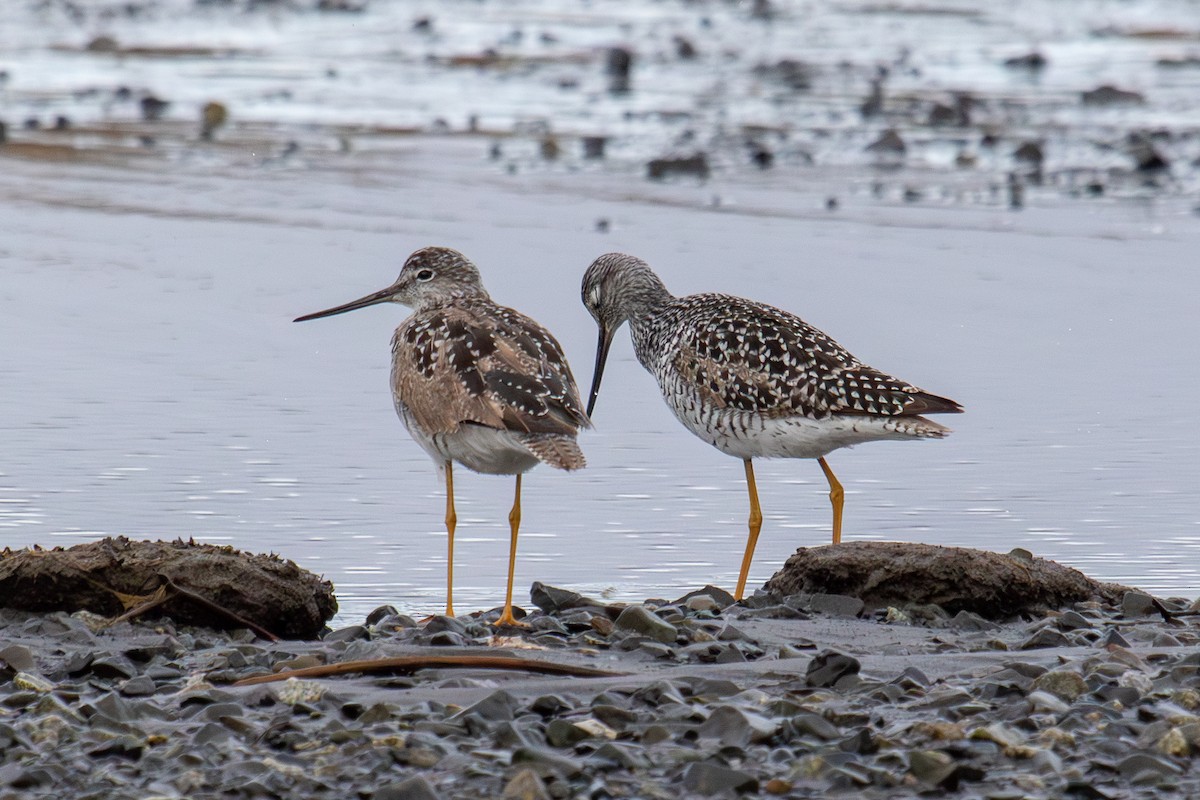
point(752, 380)
point(476, 383)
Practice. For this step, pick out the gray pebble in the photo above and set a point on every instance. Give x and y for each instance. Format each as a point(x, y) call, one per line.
point(837, 605)
point(415, 788)
point(639, 619)
point(708, 778)
point(829, 668)
point(1137, 604)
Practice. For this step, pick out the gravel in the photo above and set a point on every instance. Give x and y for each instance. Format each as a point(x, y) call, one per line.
point(707, 698)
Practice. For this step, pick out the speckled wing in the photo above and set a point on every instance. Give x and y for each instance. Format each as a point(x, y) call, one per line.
point(489, 366)
point(754, 357)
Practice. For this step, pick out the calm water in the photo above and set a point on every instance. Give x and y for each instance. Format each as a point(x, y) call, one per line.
point(152, 384)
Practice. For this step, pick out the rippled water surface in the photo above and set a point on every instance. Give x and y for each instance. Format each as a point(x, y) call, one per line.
point(152, 383)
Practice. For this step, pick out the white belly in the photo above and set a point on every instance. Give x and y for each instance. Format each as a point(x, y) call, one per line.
point(476, 447)
point(748, 435)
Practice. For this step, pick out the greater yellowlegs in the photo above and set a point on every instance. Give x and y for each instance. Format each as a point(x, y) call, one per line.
point(752, 380)
point(476, 383)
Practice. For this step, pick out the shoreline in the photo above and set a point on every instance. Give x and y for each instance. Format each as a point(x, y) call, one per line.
point(768, 698)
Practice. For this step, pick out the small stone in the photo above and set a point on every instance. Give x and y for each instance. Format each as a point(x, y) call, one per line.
point(1144, 762)
point(549, 759)
point(706, 778)
point(379, 613)
point(930, 766)
point(734, 726)
point(1137, 604)
point(140, 686)
point(810, 724)
point(32, 683)
point(1174, 743)
point(1072, 620)
point(830, 667)
point(497, 707)
point(525, 785)
point(1063, 684)
point(889, 143)
point(18, 658)
point(722, 598)
point(639, 619)
point(348, 634)
point(777, 786)
point(970, 622)
point(702, 602)
point(295, 691)
point(415, 788)
point(562, 733)
point(1048, 703)
point(837, 605)
point(1045, 637)
point(1108, 95)
point(1114, 639)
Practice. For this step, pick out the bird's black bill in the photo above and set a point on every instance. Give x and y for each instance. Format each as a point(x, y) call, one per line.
point(606, 338)
point(382, 296)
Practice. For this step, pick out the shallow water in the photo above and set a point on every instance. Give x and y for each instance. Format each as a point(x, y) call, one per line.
point(153, 384)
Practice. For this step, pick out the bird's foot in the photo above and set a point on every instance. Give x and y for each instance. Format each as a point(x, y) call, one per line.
point(508, 620)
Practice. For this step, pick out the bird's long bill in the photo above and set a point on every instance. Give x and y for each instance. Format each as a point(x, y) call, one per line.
point(382, 296)
point(606, 337)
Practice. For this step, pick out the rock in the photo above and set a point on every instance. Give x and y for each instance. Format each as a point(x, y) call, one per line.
point(1108, 95)
point(809, 724)
point(1145, 155)
point(153, 108)
point(722, 598)
point(970, 622)
point(267, 590)
point(735, 726)
point(553, 600)
point(525, 785)
point(618, 65)
point(707, 778)
point(794, 75)
point(18, 658)
point(563, 733)
point(212, 116)
point(883, 574)
point(1132, 765)
point(497, 706)
point(1137, 604)
point(593, 147)
point(1035, 62)
point(836, 605)
point(930, 766)
point(688, 166)
point(829, 667)
point(415, 788)
point(1045, 702)
point(889, 143)
point(1030, 153)
point(1063, 684)
point(639, 619)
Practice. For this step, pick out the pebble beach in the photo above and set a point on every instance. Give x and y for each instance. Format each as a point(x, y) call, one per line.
point(695, 697)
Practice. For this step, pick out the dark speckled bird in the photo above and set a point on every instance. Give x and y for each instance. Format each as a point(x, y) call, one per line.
point(752, 380)
point(476, 383)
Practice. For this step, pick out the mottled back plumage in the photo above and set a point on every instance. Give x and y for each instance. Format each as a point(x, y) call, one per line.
point(474, 362)
point(717, 355)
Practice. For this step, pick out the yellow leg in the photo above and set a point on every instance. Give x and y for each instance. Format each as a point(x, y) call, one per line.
point(514, 522)
point(451, 521)
point(755, 522)
point(836, 496)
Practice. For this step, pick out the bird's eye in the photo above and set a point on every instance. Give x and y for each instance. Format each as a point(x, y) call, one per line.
point(425, 275)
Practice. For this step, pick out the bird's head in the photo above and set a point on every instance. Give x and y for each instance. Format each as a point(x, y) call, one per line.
point(431, 276)
point(617, 288)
